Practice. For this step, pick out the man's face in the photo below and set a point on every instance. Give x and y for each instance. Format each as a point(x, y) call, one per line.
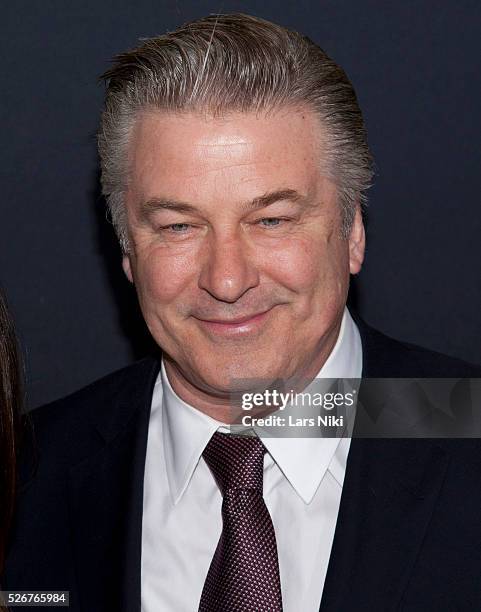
point(236, 247)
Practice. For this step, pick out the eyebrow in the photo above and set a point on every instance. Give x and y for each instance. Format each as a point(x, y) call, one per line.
point(274, 196)
point(154, 204)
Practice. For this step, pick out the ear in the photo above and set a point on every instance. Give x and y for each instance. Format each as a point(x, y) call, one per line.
point(357, 243)
point(127, 268)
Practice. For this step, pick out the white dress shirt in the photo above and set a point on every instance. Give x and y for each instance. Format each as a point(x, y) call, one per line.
point(182, 520)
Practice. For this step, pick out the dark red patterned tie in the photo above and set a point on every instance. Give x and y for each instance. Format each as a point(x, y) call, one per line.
point(244, 573)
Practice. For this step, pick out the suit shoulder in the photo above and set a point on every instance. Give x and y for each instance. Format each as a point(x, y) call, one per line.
point(388, 357)
point(70, 422)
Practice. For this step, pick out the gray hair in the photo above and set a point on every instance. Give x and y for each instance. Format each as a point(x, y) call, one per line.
point(225, 63)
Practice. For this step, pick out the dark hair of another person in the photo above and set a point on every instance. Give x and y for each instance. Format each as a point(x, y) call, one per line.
point(11, 400)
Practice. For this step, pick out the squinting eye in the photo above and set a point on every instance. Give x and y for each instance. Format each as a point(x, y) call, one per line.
point(270, 221)
point(178, 227)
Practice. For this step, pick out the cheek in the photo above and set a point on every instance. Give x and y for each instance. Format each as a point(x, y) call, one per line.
point(161, 278)
point(309, 266)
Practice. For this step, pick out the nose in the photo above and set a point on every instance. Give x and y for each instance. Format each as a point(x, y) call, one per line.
point(228, 270)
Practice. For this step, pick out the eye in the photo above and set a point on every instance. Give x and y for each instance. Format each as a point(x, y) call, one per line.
point(177, 227)
point(270, 221)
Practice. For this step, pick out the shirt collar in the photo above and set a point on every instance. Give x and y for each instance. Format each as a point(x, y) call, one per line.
point(303, 461)
point(186, 432)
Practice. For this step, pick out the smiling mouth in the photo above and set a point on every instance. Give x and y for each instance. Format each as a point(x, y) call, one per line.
point(237, 321)
point(239, 325)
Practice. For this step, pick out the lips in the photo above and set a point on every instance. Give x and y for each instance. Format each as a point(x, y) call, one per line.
point(240, 326)
point(237, 321)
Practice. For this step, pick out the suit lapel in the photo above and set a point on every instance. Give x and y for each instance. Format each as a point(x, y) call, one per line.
point(389, 493)
point(390, 489)
point(106, 500)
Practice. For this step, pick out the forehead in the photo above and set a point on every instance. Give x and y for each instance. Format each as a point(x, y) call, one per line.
point(184, 153)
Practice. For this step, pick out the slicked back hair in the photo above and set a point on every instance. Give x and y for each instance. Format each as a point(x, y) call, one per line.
point(233, 63)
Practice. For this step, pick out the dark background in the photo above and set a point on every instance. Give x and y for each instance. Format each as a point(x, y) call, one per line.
point(416, 70)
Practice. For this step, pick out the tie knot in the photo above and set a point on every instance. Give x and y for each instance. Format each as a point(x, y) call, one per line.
point(237, 462)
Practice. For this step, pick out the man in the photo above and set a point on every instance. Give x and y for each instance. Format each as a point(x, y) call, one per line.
point(234, 161)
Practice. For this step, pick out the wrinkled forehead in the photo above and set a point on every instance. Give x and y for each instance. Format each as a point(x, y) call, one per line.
point(188, 152)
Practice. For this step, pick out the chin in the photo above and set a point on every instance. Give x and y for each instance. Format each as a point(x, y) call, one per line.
point(238, 376)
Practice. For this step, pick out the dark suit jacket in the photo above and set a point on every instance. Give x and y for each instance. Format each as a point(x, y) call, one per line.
point(408, 534)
